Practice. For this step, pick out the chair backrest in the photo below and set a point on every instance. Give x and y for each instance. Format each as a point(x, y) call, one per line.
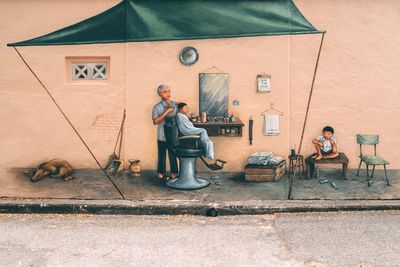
point(367, 139)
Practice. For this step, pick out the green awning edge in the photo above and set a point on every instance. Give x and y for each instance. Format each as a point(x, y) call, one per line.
point(129, 17)
point(161, 40)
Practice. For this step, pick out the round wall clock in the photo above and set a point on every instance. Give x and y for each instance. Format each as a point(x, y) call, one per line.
point(188, 56)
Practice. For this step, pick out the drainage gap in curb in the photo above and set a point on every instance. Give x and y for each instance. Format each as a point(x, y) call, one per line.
point(212, 212)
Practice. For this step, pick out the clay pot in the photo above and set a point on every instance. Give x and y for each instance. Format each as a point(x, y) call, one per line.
point(134, 167)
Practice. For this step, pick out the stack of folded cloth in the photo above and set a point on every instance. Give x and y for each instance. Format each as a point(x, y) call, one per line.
point(264, 159)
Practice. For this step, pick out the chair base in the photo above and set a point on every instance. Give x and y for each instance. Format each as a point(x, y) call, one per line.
point(369, 178)
point(187, 179)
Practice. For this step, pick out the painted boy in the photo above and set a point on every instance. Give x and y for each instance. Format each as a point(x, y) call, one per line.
point(164, 111)
point(186, 127)
point(325, 144)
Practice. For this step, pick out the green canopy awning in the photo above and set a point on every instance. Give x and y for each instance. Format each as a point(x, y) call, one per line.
point(159, 20)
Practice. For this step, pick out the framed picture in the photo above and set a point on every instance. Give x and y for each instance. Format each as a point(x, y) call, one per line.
point(264, 83)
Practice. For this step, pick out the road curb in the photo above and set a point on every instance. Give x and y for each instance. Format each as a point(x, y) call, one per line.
point(171, 207)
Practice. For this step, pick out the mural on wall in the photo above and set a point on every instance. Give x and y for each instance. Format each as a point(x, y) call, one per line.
point(266, 160)
point(214, 92)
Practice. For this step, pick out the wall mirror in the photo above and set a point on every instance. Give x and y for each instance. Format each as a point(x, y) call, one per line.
point(214, 93)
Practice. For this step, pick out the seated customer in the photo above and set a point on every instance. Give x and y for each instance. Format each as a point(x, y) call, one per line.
point(325, 144)
point(186, 127)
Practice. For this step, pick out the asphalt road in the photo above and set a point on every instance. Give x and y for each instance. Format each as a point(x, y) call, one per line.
point(306, 239)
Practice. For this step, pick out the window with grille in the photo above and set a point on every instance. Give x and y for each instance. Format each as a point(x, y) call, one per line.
point(89, 71)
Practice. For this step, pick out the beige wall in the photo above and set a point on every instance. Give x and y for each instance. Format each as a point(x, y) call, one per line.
point(150, 64)
point(33, 129)
point(355, 88)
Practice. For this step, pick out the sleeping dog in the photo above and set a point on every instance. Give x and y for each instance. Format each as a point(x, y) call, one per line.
point(53, 168)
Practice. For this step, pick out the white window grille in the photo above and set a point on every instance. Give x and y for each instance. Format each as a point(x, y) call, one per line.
point(89, 71)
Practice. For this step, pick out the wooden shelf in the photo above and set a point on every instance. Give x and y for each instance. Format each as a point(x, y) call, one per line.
point(215, 128)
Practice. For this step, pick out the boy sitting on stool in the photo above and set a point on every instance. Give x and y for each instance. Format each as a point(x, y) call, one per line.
point(325, 144)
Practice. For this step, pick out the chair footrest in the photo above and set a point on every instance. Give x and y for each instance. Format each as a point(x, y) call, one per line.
point(215, 166)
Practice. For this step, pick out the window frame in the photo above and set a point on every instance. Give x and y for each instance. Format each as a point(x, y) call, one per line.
point(93, 73)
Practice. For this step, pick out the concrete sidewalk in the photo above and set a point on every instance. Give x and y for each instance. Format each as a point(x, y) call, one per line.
point(171, 207)
point(224, 186)
point(228, 194)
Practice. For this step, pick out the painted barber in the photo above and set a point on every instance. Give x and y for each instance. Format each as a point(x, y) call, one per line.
point(164, 111)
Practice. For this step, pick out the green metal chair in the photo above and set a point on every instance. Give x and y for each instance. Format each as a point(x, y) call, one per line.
point(374, 160)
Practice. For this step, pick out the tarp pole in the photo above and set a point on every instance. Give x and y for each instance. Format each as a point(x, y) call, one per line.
point(70, 123)
point(306, 117)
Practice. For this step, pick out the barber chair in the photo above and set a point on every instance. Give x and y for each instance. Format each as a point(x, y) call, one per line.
point(187, 150)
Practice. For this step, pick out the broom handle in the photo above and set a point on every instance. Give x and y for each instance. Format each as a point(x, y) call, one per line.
point(122, 133)
point(116, 143)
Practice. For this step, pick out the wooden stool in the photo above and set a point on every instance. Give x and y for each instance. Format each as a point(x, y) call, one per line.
point(292, 162)
point(340, 159)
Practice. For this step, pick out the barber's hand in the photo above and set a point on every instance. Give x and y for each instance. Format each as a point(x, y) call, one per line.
point(169, 110)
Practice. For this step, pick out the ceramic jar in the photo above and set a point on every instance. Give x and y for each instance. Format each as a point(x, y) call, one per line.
point(134, 167)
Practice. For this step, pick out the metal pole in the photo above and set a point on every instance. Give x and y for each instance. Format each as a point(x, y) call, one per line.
point(306, 116)
point(70, 123)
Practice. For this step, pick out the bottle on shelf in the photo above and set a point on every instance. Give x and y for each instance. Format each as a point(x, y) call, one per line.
point(204, 116)
point(231, 118)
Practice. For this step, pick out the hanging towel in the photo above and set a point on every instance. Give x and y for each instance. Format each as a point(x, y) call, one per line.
point(271, 124)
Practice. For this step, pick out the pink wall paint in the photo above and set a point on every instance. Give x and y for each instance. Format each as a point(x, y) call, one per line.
point(355, 89)
point(150, 64)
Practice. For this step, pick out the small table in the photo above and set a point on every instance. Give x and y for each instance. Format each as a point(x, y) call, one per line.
point(292, 162)
point(340, 159)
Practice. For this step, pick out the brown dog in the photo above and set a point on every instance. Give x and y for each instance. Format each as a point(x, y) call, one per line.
point(53, 168)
